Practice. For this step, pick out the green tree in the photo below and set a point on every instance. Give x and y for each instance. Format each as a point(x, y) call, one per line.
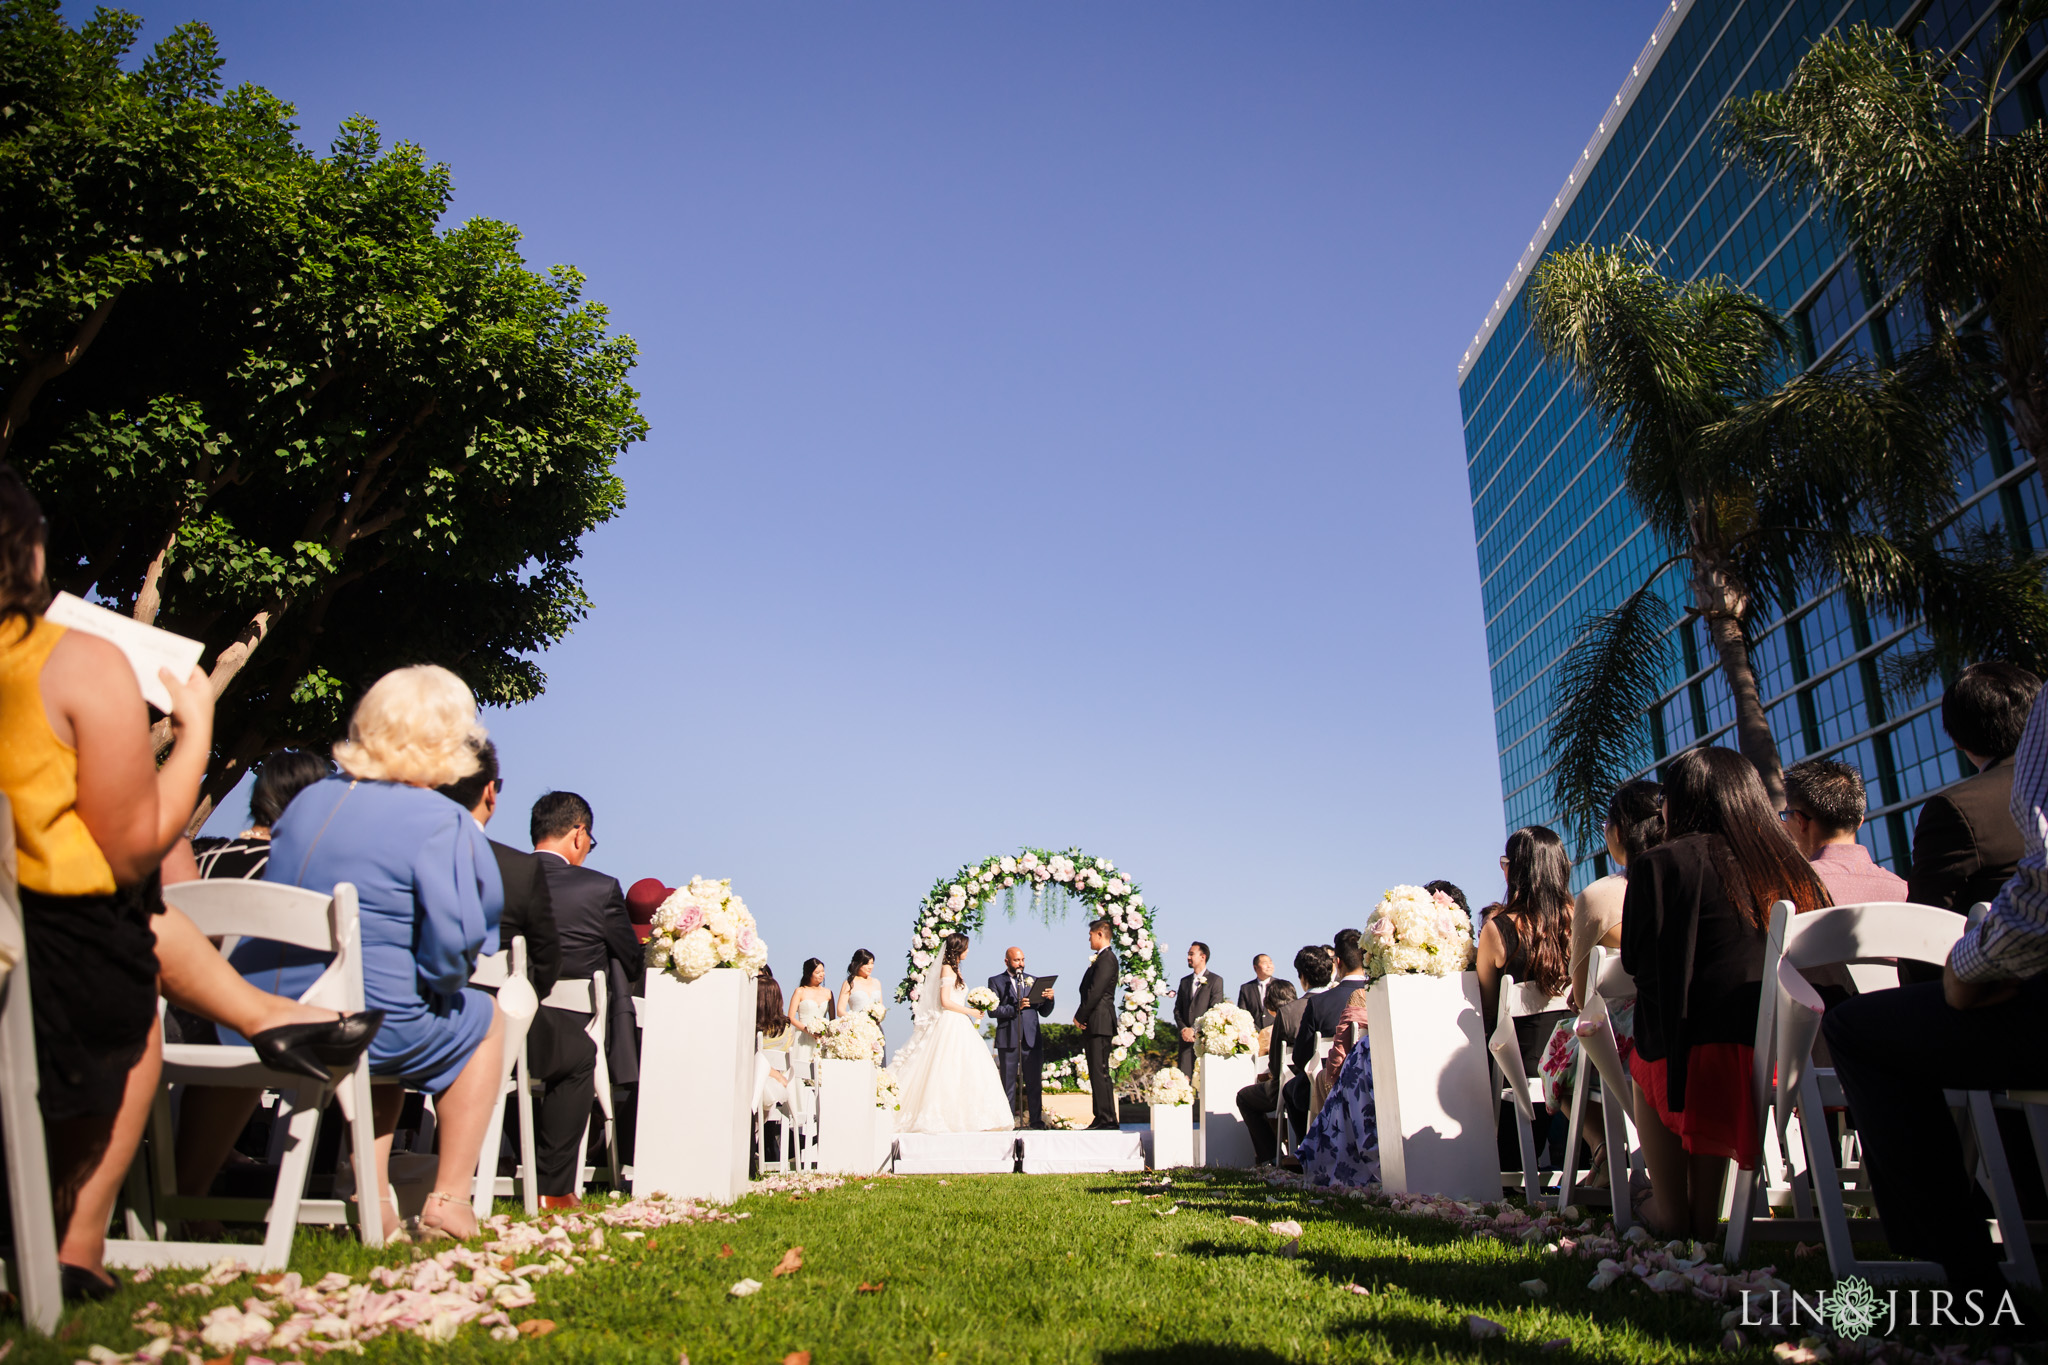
point(334, 438)
point(1764, 489)
point(1898, 144)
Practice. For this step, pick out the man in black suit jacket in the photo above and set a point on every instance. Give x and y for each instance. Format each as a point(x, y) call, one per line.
point(1017, 1034)
point(1256, 1102)
point(1320, 1020)
point(1966, 845)
point(1251, 996)
point(559, 1053)
point(597, 929)
point(1096, 1018)
point(1201, 990)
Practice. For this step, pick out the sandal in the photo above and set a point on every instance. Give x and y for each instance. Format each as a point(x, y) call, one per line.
point(1596, 1169)
point(435, 1232)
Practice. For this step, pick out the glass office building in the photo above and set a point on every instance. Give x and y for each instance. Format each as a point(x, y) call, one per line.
point(1557, 537)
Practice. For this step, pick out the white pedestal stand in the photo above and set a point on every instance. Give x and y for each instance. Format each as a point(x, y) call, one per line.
point(696, 1070)
point(1432, 1087)
point(847, 1117)
point(1173, 1135)
point(1225, 1141)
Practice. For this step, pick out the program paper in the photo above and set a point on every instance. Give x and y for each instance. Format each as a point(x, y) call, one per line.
point(147, 647)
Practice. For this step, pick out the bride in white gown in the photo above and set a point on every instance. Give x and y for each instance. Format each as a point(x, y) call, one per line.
point(946, 1074)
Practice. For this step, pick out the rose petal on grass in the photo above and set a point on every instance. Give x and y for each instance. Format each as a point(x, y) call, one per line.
point(1240, 1218)
point(875, 1288)
point(1356, 1289)
point(1555, 1344)
point(1482, 1329)
point(1535, 1289)
point(536, 1327)
point(744, 1288)
point(724, 1250)
point(1288, 1228)
point(1114, 1202)
point(1291, 1247)
point(797, 1358)
point(791, 1262)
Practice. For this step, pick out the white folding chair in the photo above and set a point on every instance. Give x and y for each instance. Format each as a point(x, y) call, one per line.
point(306, 919)
point(589, 997)
point(768, 1110)
point(1309, 1072)
point(33, 1272)
point(1600, 1066)
point(1515, 1085)
point(800, 1130)
point(497, 972)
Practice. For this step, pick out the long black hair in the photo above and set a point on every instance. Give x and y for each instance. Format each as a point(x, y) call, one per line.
point(1540, 901)
point(811, 964)
point(769, 1016)
point(1716, 791)
point(956, 948)
point(23, 592)
point(1637, 814)
point(861, 958)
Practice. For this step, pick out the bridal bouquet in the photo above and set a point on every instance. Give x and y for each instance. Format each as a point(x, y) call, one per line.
point(1227, 1031)
point(1414, 932)
point(855, 1038)
point(878, 1011)
point(981, 998)
point(702, 926)
point(887, 1095)
point(1169, 1086)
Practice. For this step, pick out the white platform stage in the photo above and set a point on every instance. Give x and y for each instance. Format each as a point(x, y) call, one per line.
point(1042, 1153)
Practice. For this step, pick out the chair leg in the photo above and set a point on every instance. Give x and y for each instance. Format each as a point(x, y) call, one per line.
point(1569, 1175)
point(28, 1171)
point(2012, 1225)
point(1618, 1150)
point(353, 1098)
point(2037, 1127)
point(484, 1188)
point(529, 1157)
point(301, 1116)
point(1532, 1179)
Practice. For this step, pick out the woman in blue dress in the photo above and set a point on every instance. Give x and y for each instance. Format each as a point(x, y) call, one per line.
point(1343, 1143)
point(430, 895)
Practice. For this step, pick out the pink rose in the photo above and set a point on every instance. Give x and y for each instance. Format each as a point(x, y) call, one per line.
point(692, 918)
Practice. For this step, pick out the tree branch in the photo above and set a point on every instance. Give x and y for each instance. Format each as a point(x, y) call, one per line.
point(49, 367)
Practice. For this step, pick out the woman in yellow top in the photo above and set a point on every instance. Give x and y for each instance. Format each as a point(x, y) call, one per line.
point(94, 814)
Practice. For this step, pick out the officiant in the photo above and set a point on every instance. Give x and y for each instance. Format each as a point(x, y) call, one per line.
point(1019, 1005)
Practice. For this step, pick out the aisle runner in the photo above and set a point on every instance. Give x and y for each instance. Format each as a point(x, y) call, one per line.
point(1044, 1153)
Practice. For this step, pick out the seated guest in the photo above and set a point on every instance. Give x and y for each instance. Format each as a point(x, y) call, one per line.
point(1824, 805)
point(94, 816)
point(1635, 825)
point(643, 898)
point(1897, 1051)
point(1692, 936)
point(559, 1053)
point(1966, 846)
point(430, 894)
point(1257, 1102)
point(1529, 938)
point(1320, 1019)
point(1251, 996)
point(1452, 890)
point(1342, 1146)
point(279, 778)
point(1277, 994)
point(771, 1027)
point(592, 918)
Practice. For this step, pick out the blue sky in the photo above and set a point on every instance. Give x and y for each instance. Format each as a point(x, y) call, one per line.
point(1055, 427)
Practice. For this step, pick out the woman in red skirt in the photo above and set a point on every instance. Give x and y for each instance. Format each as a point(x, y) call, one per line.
point(1692, 936)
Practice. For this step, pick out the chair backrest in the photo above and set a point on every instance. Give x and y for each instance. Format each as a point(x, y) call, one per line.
point(1610, 980)
point(493, 970)
point(285, 914)
point(571, 993)
point(1861, 933)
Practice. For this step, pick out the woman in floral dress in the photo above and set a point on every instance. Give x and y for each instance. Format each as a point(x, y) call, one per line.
point(1343, 1143)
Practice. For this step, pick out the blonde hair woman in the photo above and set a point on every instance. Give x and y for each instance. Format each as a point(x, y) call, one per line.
point(430, 895)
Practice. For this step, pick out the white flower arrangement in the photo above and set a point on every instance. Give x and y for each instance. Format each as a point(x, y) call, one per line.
point(855, 1038)
point(1415, 932)
point(981, 998)
point(704, 926)
point(958, 904)
point(887, 1095)
point(1071, 1074)
point(878, 1011)
point(1227, 1031)
point(1169, 1086)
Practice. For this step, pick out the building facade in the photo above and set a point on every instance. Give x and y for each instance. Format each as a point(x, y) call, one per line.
point(1557, 536)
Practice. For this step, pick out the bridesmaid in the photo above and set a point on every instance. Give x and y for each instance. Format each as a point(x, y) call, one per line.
point(810, 1001)
point(860, 989)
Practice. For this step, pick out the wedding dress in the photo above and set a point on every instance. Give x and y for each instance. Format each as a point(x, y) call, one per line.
point(945, 1073)
point(862, 992)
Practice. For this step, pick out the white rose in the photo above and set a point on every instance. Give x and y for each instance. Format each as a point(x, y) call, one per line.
point(1008, 864)
point(922, 959)
point(1105, 864)
point(694, 954)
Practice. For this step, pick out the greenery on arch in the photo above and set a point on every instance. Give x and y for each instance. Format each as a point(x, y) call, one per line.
point(1051, 882)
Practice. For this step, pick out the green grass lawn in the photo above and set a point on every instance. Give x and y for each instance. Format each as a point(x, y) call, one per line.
point(1013, 1269)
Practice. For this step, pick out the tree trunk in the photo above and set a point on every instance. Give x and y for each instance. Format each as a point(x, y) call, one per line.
point(1722, 602)
point(150, 599)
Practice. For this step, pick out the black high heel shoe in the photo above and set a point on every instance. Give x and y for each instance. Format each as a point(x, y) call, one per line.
point(317, 1050)
point(80, 1284)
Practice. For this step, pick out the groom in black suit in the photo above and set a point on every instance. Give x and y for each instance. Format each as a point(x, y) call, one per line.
point(1096, 1018)
point(1017, 1034)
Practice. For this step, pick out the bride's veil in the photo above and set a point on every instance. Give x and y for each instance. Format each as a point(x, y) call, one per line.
point(924, 1012)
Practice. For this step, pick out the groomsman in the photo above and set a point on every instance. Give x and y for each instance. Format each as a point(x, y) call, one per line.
point(1251, 996)
point(1200, 991)
point(1017, 1033)
point(1096, 1018)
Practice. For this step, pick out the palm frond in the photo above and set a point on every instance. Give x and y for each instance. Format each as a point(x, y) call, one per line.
point(1605, 683)
point(1981, 599)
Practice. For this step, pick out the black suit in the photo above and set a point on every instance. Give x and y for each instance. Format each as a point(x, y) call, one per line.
point(559, 1053)
point(1252, 1001)
point(1097, 1018)
point(1193, 1000)
point(1965, 847)
point(1325, 1008)
point(597, 936)
point(1017, 1043)
point(1257, 1101)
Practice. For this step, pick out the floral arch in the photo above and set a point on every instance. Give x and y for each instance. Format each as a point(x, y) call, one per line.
point(1052, 881)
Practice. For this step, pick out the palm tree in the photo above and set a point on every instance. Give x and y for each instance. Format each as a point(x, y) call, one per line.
point(1764, 489)
point(1900, 145)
